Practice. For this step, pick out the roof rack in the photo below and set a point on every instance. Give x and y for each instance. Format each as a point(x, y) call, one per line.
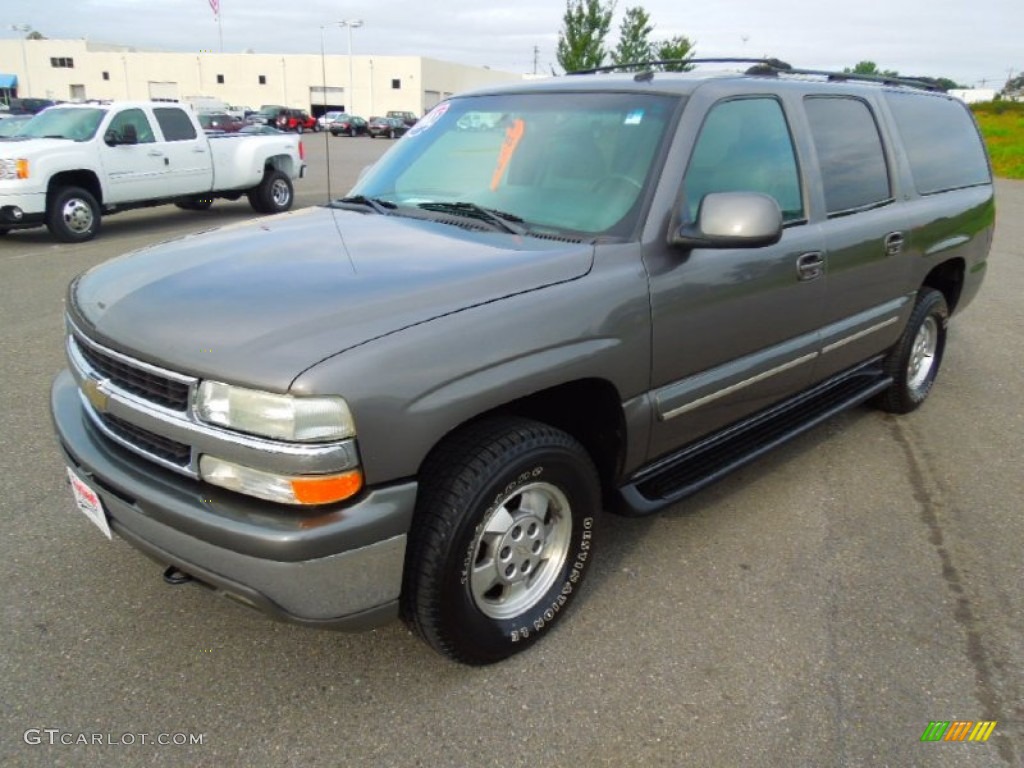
point(759, 67)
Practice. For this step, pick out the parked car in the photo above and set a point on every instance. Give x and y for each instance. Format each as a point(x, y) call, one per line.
point(259, 130)
point(213, 121)
point(295, 120)
point(11, 125)
point(325, 120)
point(30, 106)
point(124, 155)
point(267, 114)
point(349, 125)
point(388, 127)
point(408, 118)
point(646, 281)
point(238, 111)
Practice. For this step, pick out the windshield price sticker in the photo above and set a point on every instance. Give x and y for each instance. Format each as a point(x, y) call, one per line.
point(89, 503)
point(430, 119)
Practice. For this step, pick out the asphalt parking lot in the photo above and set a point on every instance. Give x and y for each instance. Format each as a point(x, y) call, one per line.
point(817, 608)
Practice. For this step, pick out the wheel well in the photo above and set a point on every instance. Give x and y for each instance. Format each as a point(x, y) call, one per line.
point(589, 409)
point(281, 163)
point(85, 179)
point(947, 278)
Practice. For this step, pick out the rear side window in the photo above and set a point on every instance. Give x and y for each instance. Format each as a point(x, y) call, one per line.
point(175, 124)
point(941, 142)
point(849, 147)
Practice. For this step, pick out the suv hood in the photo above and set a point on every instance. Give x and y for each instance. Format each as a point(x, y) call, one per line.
point(258, 303)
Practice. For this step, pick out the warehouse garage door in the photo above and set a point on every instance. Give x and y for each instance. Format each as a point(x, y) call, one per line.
point(163, 91)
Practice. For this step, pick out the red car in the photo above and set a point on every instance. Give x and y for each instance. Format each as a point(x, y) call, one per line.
point(295, 120)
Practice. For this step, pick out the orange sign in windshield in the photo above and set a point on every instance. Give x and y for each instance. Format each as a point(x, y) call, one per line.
point(512, 137)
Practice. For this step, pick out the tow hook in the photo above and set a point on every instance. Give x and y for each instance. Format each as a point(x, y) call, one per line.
point(175, 576)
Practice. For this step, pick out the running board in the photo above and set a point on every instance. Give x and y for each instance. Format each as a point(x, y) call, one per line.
point(687, 471)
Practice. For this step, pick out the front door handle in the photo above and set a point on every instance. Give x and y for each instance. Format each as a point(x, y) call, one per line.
point(810, 266)
point(893, 243)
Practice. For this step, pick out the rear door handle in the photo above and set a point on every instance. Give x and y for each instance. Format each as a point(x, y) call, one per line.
point(810, 266)
point(155, 153)
point(893, 243)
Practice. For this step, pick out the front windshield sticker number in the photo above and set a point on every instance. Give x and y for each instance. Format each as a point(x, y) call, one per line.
point(429, 119)
point(513, 136)
point(634, 117)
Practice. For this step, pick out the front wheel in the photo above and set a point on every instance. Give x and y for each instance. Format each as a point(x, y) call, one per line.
point(914, 362)
point(502, 537)
point(273, 195)
point(73, 215)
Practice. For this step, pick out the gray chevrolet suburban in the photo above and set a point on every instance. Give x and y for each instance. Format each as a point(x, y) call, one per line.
point(594, 292)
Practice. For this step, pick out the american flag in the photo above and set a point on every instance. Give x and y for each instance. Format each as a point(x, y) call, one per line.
point(215, 4)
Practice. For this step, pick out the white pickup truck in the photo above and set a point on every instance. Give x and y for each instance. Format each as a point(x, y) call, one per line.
point(74, 163)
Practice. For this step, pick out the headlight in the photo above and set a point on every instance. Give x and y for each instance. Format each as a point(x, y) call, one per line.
point(11, 168)
point(284, 417)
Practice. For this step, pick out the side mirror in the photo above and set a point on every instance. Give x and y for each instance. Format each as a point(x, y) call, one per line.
point(733, 220)
point(110, 138)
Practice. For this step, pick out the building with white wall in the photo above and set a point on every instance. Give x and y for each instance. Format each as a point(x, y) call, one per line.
point(77, 70)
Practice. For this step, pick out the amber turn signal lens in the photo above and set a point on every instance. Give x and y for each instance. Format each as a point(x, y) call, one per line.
point(324, 490)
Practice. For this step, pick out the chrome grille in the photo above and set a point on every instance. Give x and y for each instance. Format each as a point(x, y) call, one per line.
point(174, 452)
point(147, 384)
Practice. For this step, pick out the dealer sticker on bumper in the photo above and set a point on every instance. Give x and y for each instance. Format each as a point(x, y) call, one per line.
point(89, 503)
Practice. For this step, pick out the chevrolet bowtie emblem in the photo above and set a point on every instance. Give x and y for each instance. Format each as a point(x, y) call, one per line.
point(96, 396)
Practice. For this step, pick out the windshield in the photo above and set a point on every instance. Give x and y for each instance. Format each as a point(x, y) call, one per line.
point(557, 161)
point(11, 126)
point(69, 123)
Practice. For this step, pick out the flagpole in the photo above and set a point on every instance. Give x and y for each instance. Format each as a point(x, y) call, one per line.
point(220, 29)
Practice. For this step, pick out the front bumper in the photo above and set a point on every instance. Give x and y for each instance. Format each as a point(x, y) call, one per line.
point(338, 565)
point(22, 210)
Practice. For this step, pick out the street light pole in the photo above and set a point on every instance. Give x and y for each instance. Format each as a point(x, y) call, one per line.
point(24, 29)
point(351, 24)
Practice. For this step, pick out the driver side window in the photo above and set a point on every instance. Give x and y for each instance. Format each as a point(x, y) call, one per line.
point(136, 118)
point(745, 146)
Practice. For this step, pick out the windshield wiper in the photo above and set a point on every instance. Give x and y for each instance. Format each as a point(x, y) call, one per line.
point(383, 207)
point(498, 219)
point(56, 136)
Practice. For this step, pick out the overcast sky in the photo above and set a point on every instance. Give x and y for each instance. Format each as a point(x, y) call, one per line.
point(969, 42)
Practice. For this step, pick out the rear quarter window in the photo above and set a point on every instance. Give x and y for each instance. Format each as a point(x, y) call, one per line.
point(940, 140)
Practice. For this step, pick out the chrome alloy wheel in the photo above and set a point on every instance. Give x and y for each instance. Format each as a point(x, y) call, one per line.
point(78, 216)
point(922, 355)
point(520, 550)
point(280, 193)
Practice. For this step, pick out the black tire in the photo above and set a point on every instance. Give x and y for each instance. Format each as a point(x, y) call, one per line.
point(72, 215)
point(391, 133)
point(195, 205)
point(914, 362)
point(352, 132)
point(299, 129)
point(3, 231)
point(274, 194)
point(492, 496)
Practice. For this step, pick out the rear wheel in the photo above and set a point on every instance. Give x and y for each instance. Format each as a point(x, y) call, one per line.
point(914, 362)
point(273, 195)
point(501, 539)
point(73, 215)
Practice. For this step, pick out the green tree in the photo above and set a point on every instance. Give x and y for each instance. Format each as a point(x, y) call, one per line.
point(35, 35)
point(677, 48)
point(585, 27)
point(634, 39)
point(870, 68)
point(1014, 84)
